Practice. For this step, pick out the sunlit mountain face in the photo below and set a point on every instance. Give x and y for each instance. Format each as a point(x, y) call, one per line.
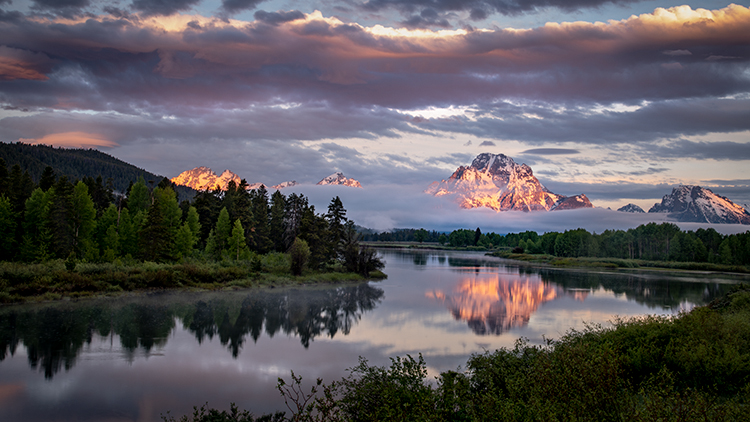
point(496, 303)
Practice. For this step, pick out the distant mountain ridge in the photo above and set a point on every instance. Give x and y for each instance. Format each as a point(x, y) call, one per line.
point(77, 163)
point(631, 208)
point(496, 181)
point(689, 203)
point(338, 178)
point(201, 178)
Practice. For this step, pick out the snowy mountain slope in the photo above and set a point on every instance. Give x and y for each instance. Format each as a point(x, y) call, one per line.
point(631, 208)
point(201, 178)
point(283, 185)
point(338, 178)
point(496, 181)
point(697, 204)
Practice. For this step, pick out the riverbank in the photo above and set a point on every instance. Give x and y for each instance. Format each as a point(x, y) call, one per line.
point(52, 280)
point(619, 264)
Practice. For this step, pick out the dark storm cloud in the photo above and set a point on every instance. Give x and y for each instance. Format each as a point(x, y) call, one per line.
point(655, 121)
point(315, 78)
point(235, 6)
point(277, 18)
point(479, 9)
point(733, 151)
point(163, 7)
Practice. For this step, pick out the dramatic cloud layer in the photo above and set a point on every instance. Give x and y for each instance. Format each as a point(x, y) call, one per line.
point(654, 99)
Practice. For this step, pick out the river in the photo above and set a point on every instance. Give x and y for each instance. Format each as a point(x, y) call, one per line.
point(134, 358)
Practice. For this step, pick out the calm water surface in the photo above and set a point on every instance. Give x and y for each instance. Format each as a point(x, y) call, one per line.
point(134, 359)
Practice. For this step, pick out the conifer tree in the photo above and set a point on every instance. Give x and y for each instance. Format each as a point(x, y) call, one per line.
point(36, 238)
point(157, 237)
point(276, 221)
point(61, 244)
point(7, 229)
point(47, 179)
point(83, 219)
point(193, 222)
point(261, 235)
point(336, 218)
point(236, 244)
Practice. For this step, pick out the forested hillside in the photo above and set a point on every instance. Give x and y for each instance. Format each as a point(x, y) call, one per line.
point(77, 164)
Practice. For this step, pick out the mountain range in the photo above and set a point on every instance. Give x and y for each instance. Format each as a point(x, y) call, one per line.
point(201, 178)
point(496, 181)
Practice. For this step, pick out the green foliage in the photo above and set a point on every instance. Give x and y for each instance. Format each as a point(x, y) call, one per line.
point(299, 253)
point(7, 229)
point(236, 246)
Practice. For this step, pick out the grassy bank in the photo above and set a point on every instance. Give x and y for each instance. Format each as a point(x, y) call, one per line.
point(691, 367)
point(615, 263)
point(51, 280)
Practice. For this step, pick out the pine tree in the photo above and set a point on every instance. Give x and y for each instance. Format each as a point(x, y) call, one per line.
point(276, 221)
point(336, 218)
point(47, 179)
point(236, 245)
point(7, 229)
point(37, 237)
point(157, 237)
point(59, 216)
point(261, 235)
point(83, 219)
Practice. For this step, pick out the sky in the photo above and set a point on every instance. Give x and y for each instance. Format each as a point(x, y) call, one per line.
point(618, 99)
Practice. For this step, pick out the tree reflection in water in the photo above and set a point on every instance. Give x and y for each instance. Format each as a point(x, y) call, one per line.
point(55, 334)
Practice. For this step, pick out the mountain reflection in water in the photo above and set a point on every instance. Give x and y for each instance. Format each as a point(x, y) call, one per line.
point(54, 334)
point(497, 304)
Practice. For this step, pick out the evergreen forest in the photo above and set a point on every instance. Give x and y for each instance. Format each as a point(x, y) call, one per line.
point(84, 222)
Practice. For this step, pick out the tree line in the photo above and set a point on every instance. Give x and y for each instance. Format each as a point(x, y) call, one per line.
point(85, 220)
point(652, 241)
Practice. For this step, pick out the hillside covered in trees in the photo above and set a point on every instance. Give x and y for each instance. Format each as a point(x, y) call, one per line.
point(77, 164)
point(85, 222)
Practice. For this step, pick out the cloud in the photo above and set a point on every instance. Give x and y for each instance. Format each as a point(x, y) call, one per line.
point(161, 7)
point(551, 151)
point(72, 140)
point(677, 53)
point(23, 64)
point(487, 144)
point(481, 9)
point(149, 82)
point(277, 18)
point(234, 6)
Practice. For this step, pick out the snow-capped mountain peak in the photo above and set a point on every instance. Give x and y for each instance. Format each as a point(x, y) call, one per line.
point(496, 181)
point(698, 204)
point(283, 185)
point(201, 178)
point(631, 208)
point(338, 178)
